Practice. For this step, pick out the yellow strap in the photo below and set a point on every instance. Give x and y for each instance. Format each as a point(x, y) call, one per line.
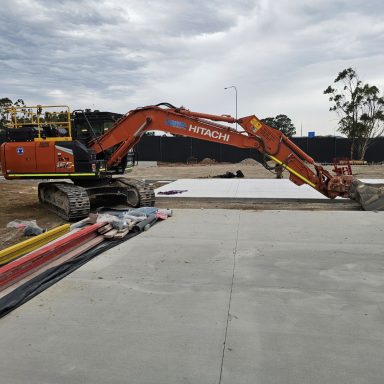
point(49, 174)
point(293, 171)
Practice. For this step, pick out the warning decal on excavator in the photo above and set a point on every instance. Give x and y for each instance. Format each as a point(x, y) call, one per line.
point(256, 124)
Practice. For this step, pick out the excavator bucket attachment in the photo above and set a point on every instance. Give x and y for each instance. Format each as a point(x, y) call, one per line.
point(370, 196)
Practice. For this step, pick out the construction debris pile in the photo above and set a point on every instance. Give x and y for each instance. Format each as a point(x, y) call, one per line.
point(33, 265)
point(230, 175)
point(122, 221)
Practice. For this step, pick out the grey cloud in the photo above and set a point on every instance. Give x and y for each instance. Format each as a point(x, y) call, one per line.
point(119, 54)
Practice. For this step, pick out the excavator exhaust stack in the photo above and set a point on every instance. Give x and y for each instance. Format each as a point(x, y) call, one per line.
point(369, 196)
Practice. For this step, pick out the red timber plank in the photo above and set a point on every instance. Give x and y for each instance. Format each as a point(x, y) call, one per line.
point(22, 267)
point(51, 264)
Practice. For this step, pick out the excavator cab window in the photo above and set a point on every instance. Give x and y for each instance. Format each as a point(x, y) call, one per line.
point(89, 124)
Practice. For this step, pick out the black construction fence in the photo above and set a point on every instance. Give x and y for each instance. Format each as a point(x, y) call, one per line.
point(185, 149)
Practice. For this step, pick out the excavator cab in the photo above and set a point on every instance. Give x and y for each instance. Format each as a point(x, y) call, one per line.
point(88, 125)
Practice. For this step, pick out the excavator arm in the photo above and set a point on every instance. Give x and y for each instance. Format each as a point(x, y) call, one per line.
point(127, 132)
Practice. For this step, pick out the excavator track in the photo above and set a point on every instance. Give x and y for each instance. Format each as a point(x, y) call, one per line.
point(69, 201)
point(142, 194)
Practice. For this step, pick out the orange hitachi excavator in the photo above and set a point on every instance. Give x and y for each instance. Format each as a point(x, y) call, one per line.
point(51, 152)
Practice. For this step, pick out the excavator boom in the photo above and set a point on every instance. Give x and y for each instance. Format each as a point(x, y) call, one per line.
point(179, 121)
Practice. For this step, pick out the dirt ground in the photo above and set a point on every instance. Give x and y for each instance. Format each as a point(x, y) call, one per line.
point(19, 198)
point(250, 168)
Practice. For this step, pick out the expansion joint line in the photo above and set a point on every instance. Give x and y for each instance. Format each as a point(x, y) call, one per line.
point(229, 301)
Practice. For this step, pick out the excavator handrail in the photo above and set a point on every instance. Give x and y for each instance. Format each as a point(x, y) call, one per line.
point(39, 116)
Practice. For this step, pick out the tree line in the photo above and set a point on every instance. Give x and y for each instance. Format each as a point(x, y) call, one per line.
point(27, 114)
point(359, 106)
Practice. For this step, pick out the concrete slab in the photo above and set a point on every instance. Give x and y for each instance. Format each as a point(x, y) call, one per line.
point(214, 296)
point(243, 188)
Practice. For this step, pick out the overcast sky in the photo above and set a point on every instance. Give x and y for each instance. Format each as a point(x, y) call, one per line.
point(121, 54)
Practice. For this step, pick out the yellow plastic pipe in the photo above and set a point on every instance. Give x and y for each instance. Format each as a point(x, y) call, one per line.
point(20, 249)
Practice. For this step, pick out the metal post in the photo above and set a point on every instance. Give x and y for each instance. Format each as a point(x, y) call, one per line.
point(234, 87)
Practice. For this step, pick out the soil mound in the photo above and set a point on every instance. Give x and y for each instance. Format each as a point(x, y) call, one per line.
point(208, 160)
point(249, 161)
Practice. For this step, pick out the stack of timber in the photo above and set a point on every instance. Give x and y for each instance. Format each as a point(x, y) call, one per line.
point(31, 266)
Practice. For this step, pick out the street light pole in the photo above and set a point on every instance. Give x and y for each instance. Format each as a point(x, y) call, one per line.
point(234, 87)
